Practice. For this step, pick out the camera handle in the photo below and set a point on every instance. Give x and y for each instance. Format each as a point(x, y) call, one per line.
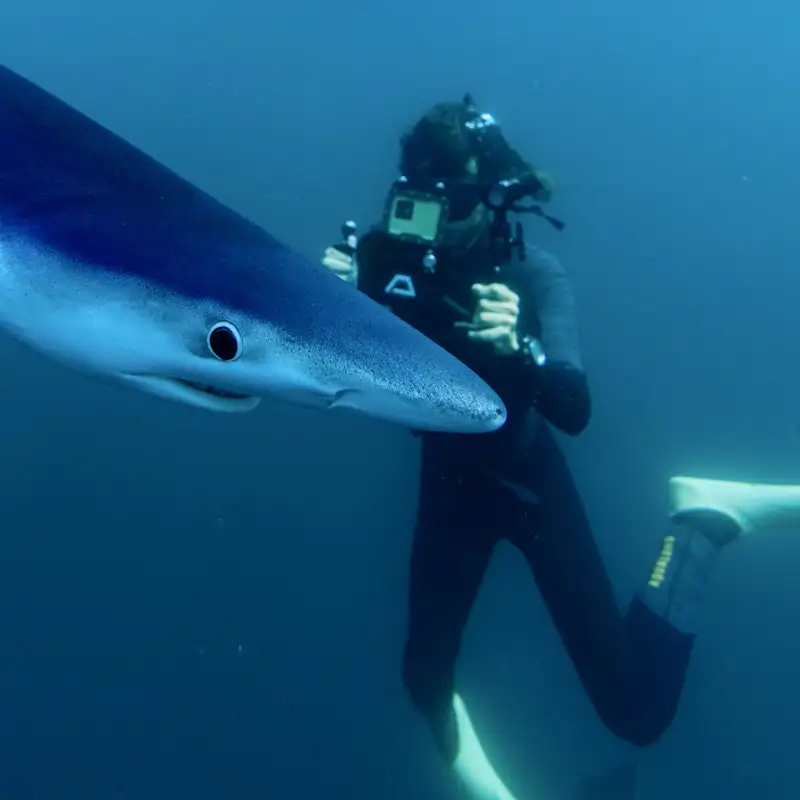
point(349, 241)
point(504, 243)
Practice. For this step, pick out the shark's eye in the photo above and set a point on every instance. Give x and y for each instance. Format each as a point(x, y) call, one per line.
point(225, 342)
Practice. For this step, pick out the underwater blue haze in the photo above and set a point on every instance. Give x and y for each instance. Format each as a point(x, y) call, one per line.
point(205, 606)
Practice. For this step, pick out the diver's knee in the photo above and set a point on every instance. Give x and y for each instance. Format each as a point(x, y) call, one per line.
point(644, 737)
point(636, 729)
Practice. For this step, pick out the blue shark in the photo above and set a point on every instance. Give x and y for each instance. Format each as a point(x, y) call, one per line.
point(114, 265)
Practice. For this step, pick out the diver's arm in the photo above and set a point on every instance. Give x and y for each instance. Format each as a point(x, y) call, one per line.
point(557, 388)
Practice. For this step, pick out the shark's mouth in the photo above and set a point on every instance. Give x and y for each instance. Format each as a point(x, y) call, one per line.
point(210, 397)
point(194, 393)
point(217, 392)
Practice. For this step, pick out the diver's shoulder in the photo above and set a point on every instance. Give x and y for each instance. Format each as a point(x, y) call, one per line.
point(542, 267)
point(541, 258)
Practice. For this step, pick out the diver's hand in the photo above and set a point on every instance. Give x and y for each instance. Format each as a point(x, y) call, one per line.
point(495, 318)
point(340, 264)
point(547, 186)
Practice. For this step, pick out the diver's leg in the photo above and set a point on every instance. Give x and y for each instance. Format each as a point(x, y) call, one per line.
point(663, 615)
point(633, 667)
point(555, 536)
point(453, 542)
point(706, 516)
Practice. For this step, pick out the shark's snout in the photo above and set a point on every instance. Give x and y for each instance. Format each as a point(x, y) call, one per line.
point(416, 414)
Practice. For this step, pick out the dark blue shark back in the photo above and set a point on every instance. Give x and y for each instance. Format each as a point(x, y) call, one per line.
point(78, 189)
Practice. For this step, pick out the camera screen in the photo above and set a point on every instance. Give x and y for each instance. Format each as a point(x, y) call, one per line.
point(415, 218)
point(404, 209)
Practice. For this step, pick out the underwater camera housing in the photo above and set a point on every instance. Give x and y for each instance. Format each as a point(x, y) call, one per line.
point(418, 214)
point(415, 215)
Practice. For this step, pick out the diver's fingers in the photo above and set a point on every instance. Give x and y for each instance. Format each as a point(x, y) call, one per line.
point(490, 334)
point(499, 306)
point(336, 259)
point(495, 291)
point(491, 319)
point(338, 263)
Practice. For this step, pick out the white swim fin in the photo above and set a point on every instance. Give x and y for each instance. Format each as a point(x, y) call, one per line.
point(472, 765)
point(753, 506)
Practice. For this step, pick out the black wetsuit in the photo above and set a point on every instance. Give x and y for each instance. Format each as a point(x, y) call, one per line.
point(514, 484)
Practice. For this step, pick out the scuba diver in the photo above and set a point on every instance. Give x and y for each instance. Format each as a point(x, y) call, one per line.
point(446, 259)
